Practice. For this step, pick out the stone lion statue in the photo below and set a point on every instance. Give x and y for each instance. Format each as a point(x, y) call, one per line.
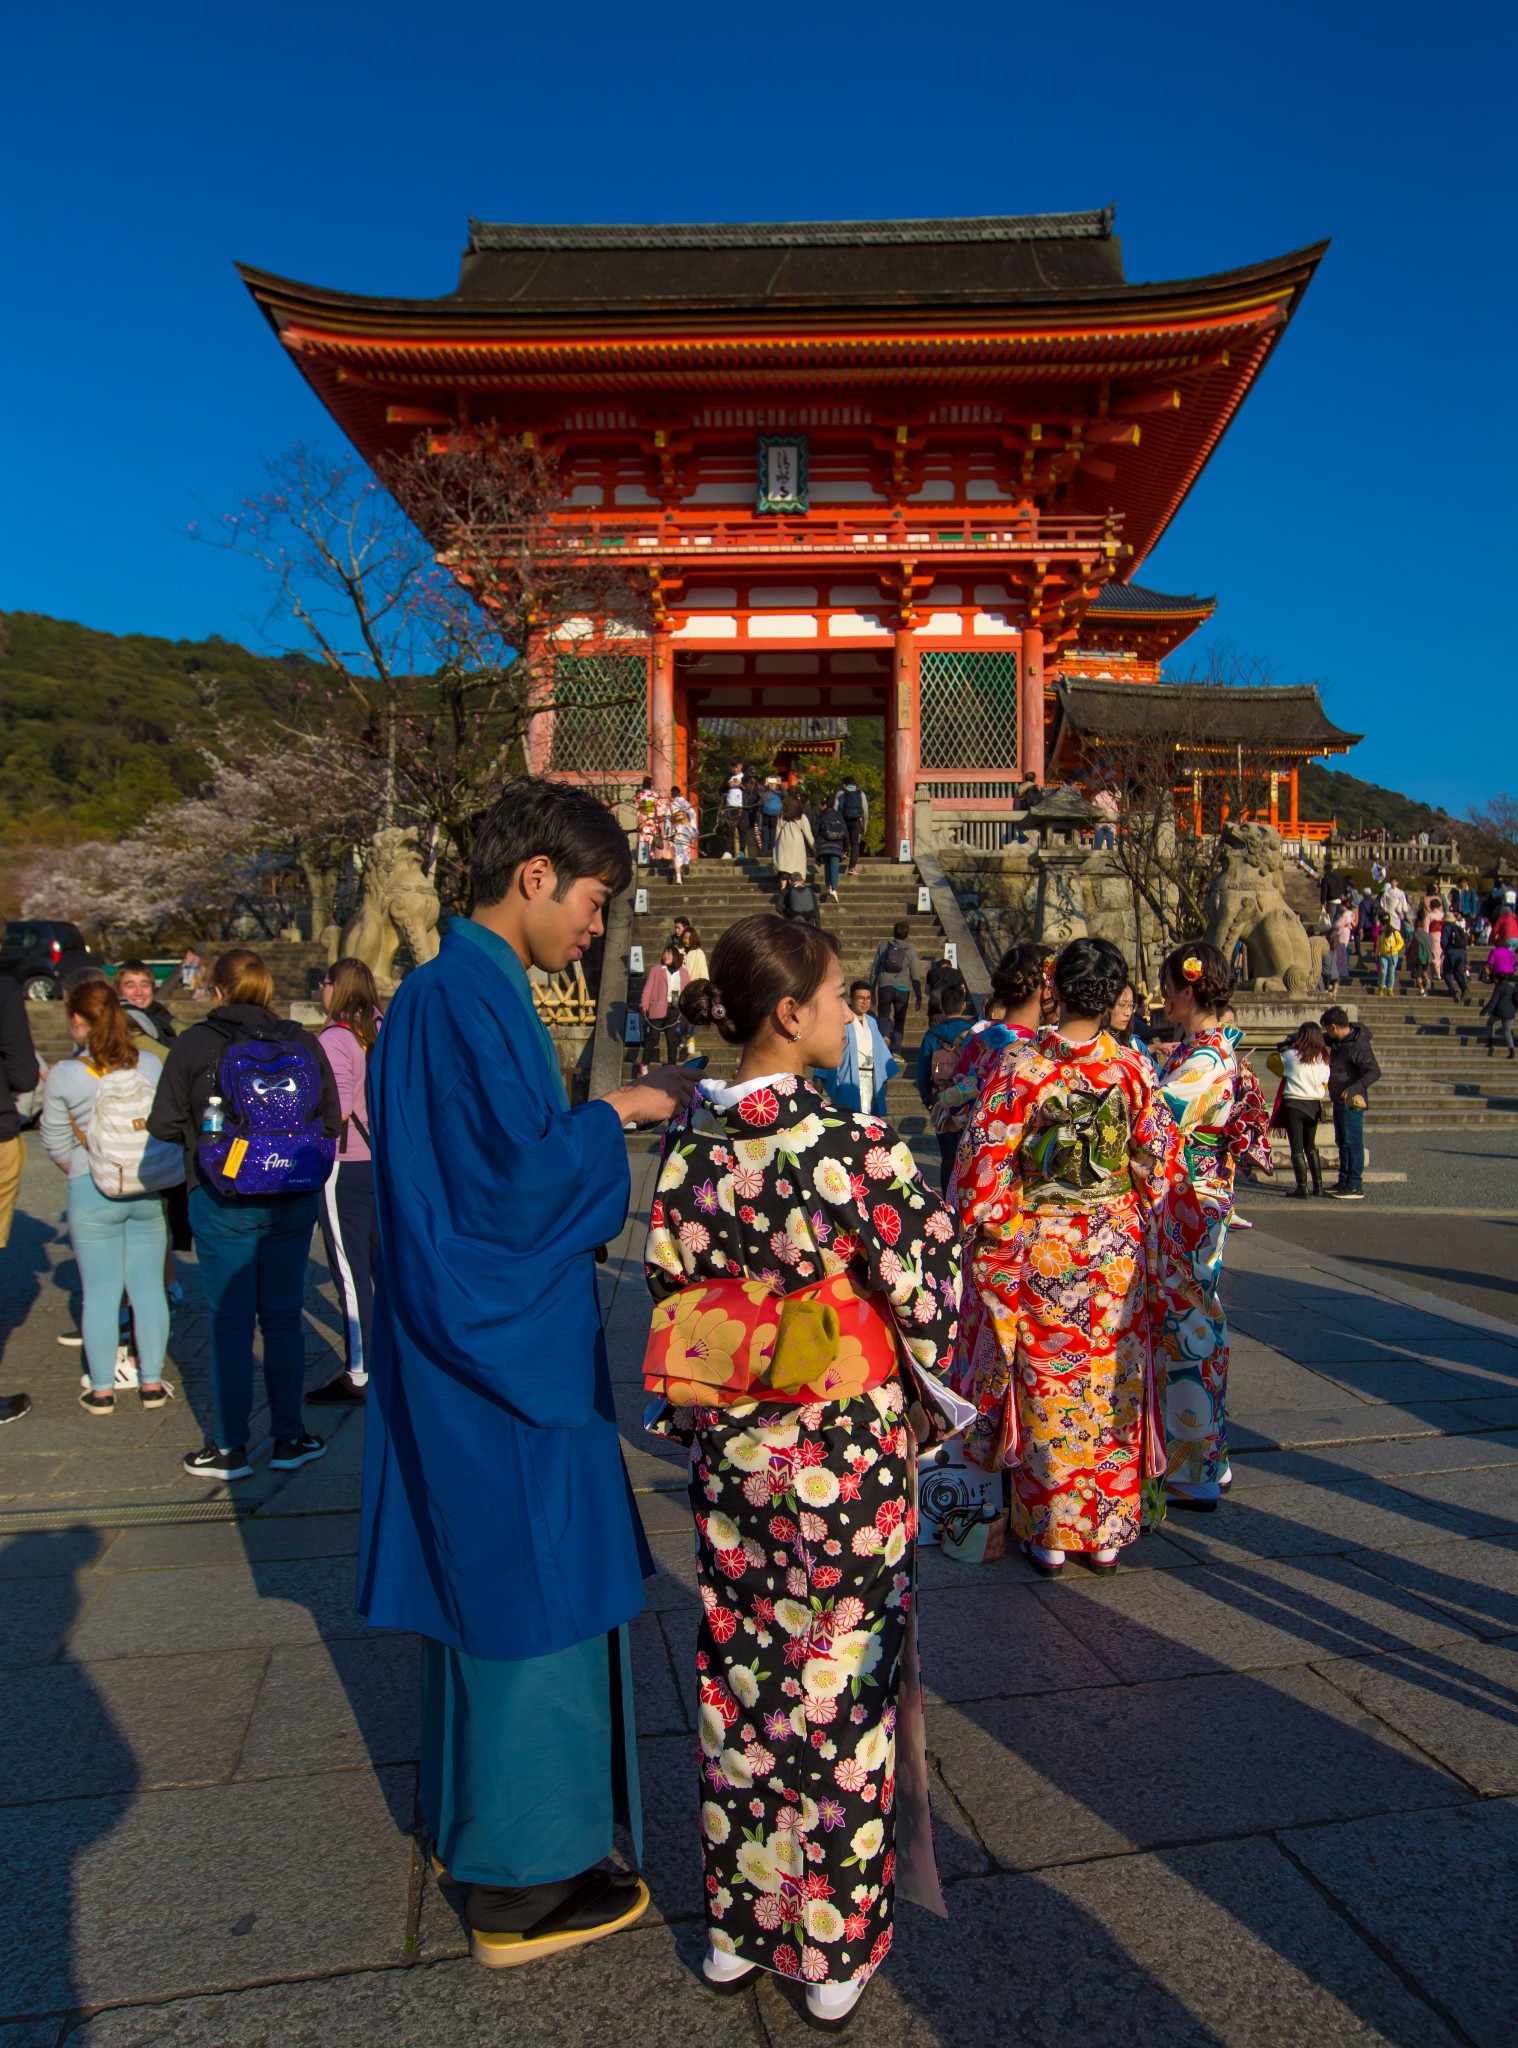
point(1247, 901)
point(399, 905)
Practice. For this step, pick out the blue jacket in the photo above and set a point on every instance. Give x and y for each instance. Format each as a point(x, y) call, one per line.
point(841, 1083)
point(946, 1031)
point(498, 1518)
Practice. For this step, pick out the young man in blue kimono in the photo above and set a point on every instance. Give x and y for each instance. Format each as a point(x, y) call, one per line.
point(498, 1520)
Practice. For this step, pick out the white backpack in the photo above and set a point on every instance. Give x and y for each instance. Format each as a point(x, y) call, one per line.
point(124, 1159)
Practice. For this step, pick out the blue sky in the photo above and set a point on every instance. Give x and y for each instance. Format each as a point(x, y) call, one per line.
point(1354, 524)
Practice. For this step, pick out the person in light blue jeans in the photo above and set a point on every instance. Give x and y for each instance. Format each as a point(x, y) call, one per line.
point(252, 1257)
point(119, 1242)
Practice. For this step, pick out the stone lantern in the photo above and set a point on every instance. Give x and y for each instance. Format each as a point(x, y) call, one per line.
point(1056, 820)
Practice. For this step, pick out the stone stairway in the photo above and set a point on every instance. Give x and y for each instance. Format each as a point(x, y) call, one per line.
point(717, 893)
point(1436, 1073)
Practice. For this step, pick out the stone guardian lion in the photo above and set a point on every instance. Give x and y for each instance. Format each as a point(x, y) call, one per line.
point(1247, 901)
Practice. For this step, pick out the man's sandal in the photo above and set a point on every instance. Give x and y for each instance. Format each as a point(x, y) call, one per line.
point(599, 1903)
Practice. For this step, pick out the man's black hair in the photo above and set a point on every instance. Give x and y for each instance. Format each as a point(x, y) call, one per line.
point(856, 986)
point(954, 996)
point(571, 829)
point(1333, 1019)
point(901, 929)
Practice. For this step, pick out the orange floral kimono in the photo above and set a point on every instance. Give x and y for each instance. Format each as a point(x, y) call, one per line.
point(1072, 1192)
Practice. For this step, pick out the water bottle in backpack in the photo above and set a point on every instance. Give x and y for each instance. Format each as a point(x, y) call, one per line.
point(271, 1139)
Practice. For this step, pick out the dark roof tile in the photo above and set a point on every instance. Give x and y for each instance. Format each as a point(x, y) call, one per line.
point(1289, 715)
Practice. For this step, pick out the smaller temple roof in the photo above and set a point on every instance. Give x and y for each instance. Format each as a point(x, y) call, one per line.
point(1287, 718)
point(1134, 600)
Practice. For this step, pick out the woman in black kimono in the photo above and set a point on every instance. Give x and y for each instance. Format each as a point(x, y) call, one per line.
point(805, 1509)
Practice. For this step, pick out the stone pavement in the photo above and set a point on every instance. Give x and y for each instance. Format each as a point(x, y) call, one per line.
point(1257, 1789)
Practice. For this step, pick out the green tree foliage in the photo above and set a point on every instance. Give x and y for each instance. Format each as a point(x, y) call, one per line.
point(756, 741)
point(96, 729)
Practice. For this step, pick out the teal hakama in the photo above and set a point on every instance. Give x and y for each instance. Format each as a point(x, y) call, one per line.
point(527, 1767)
point(499, 1524)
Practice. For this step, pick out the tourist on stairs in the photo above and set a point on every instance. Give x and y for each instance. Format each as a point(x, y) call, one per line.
point(349, 1223)
point(1352, 1072)
point(1500, 1006)
point(793, 1394)
point(832, 836)
point(1216, 1102)
point(1070, 1177)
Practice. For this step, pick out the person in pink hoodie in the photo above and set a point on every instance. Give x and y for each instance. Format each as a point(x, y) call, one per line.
point(350, 1228)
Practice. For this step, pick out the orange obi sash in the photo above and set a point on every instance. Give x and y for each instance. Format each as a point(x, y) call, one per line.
point(725, 1341)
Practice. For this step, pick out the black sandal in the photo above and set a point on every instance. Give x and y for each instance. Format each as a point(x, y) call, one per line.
point(599, 1903)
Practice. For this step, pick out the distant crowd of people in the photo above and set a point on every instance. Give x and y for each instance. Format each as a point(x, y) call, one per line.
point(1429, 938)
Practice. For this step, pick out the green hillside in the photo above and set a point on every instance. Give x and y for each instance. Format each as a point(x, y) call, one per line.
point(1326, 793)
point(97, 728)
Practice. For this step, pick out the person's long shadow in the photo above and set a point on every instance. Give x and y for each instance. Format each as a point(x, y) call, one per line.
point(68, 1780)
point(22, 1272)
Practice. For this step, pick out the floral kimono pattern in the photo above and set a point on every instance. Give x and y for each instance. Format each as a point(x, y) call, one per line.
point(980, 1051)
point(652, 811)
point(805, 1528)
point(1216, 1103)
point(1072, 1193)
point(682, 832)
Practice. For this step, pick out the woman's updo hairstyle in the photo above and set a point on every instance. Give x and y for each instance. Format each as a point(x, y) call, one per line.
point(1090, 975)
point(1202, 969)
point(1019, 975)
point(757, 963)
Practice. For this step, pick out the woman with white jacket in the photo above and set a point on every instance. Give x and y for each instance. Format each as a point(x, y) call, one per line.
point(1303, 1065)
point(119, 1241)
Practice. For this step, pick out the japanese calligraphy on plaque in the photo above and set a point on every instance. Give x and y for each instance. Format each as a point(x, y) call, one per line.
point(782, 473)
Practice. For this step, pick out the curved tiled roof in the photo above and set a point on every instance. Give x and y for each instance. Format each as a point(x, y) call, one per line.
point(1135, 598)
point(1290, 716)
point(794, 234)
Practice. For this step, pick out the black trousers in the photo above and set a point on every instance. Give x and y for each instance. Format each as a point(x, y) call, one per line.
point(1301, 1121)
point(1455, 979)
point(350, 1232)
point(856, 836)
point(891, 1003)
point(672, 1032)
point(733, 834)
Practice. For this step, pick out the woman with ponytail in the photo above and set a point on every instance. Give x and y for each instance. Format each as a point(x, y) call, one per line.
point(1014, 1012)
point(808, 1288)
point(1216, 1102)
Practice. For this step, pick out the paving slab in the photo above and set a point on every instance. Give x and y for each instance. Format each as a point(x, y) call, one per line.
point(659, 1683)
point(1410, 1380)
point(1439, 1891)
point(1485, 1502)
point(1171, 1761)
point(1000, 1640)
point(1242, 1617)
point(638, 1987)
point(223, 1606)
point(128, 1724)
point(1309, 1342)
point(667, 1767)
point(1295, 1520)
point(154, 1896)
point(1477, 1582)
point(1389, 1459)
point(1224, 1945)
point(674, 1582)
point(333, 1707)
point(53, 1553)
point(37, 1613)
point(254, 1538)
point(1458, 1703)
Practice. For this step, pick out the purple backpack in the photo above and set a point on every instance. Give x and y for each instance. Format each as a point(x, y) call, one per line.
point(273, 1141)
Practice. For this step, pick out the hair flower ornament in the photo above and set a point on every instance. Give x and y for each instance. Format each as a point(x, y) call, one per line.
point(719, 1011)
point(1191, 967)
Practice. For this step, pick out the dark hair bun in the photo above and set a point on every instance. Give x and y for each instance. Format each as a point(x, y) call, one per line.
point(1019, 975)
point(756, 963)
point(1202, 969)
point(701, 1005)
point(1090, 975)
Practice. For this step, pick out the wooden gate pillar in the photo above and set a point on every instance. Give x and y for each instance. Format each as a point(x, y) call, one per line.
point(1030, 710)
point(661, 711)
point(902, 754)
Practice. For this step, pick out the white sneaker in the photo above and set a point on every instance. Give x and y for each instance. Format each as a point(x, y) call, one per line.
point(73, 1340)
point(126, 1366)
point(727, 856)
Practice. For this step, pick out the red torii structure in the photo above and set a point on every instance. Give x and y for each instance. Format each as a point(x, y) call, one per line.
point(874, 468)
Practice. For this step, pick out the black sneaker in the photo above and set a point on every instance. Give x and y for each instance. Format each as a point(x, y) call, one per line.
point(1348, 1195)
point(210, 1462)
point(14, 1406)
point(291, 1451)
point(341, 1389)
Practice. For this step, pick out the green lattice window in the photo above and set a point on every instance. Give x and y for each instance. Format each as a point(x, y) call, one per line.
point(600, 721)
point(969, 709)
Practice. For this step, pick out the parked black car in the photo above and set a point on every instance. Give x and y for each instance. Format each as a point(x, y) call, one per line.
point(38, 952)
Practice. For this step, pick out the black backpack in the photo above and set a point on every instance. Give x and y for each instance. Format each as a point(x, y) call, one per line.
point(894, 958)
point(851, 803)
point(831, 830)
point(801, 900)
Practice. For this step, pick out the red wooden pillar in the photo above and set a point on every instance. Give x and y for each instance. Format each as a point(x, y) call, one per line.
point(1030, 722)
point(661, 711)
point(1293, 826)
point(537, 740)
point(901, 755)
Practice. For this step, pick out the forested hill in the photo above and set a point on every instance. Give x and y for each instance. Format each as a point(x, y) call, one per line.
point(97, 728)
point(1325, 793)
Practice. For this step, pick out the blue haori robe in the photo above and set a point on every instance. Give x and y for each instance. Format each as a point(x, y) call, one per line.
point(498, 1520)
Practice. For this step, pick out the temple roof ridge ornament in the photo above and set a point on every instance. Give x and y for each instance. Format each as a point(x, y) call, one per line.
point(1094, 224)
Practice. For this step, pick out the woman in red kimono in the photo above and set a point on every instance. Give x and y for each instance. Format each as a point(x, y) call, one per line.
point(1013, 1015)
point(813, 1777)
point(1070, 1184)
